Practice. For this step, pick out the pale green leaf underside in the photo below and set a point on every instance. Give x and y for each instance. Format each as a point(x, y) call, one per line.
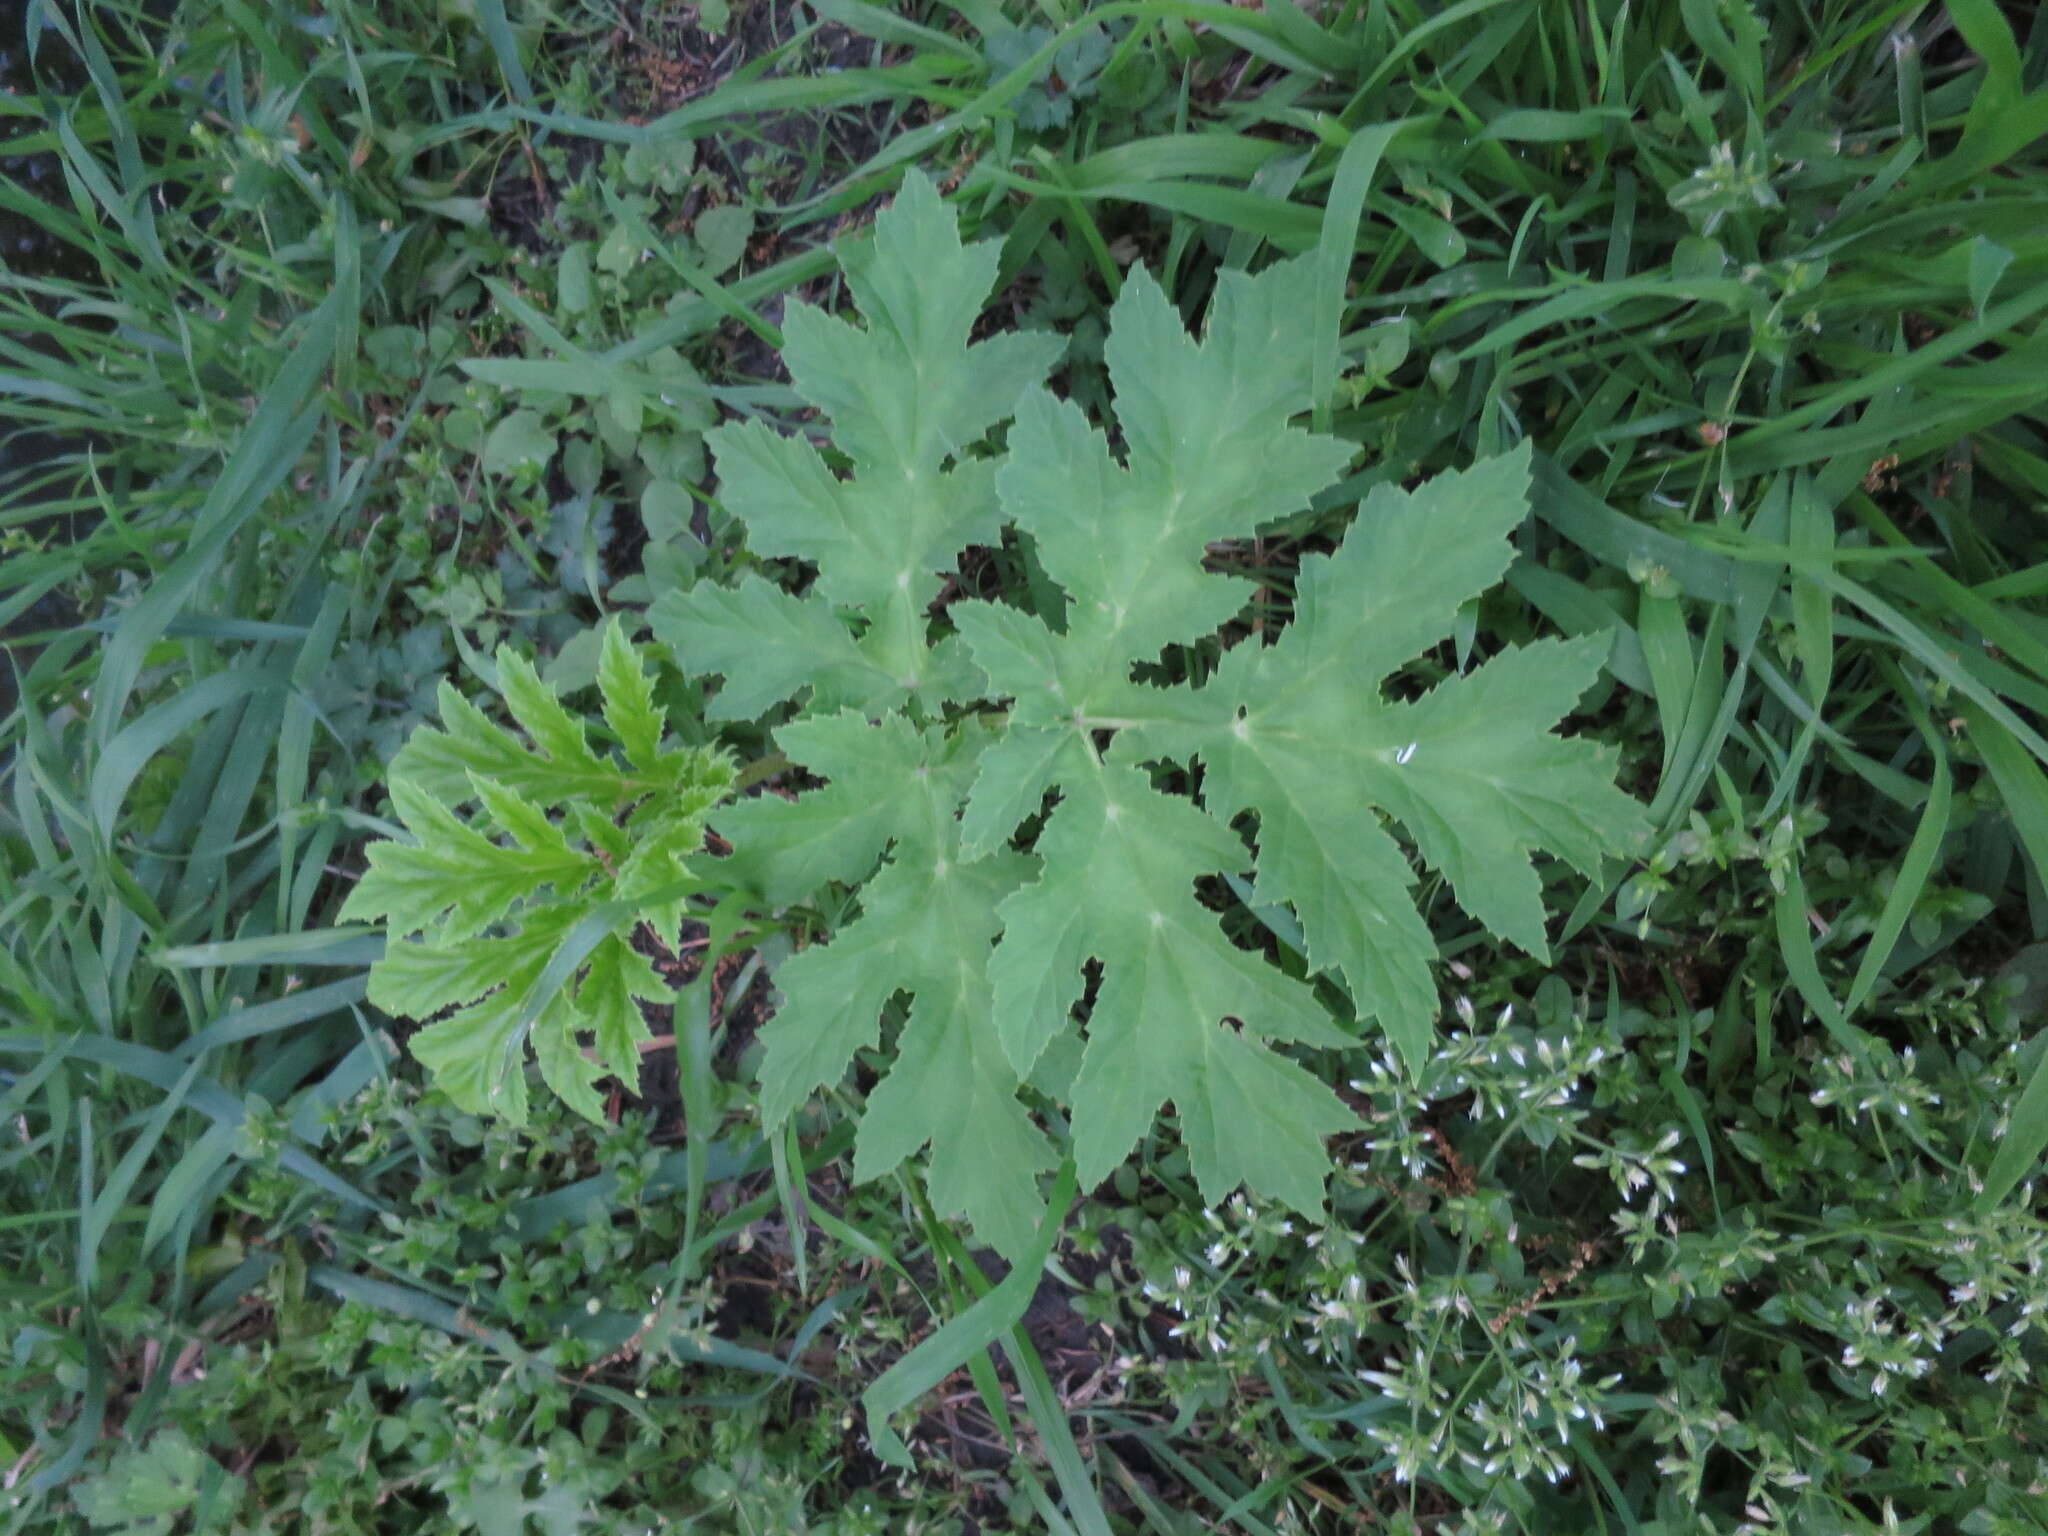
point(1120, 865)
point(906, 395)
point(1470, 769)
point(925, 929)
point(1307, 765)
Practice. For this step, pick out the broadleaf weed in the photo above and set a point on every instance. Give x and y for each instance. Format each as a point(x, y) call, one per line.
point(941, 739)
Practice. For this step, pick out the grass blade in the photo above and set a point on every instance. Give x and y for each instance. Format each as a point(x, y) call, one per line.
point(954, 1343)
point(1334, 251)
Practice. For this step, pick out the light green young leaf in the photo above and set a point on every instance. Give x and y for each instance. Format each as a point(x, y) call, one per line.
point(485, 915)
point(443, 763)
point(456, 880)
point(556, 732)
point(620, 978)
point(629, 706)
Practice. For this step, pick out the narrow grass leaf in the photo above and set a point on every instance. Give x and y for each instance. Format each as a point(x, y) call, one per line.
point(955, 1342)
point(2021, 784)
point(1334, 251)
point(1914, 872)
point(1795, 948)
point(2026, 1136)
point(505, 46)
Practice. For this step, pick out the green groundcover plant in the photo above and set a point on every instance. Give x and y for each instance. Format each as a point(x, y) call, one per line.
point(1007, 779)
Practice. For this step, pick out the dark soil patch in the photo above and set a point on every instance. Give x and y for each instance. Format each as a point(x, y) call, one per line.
point(665, 59)
point(740, 1004)
point(26, 250)
point(661, 58)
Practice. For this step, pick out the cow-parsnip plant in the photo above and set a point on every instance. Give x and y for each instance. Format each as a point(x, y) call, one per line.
point(530, 915)
point(945, 737)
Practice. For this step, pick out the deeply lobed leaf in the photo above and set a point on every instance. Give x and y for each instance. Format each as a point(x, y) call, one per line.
point(906, 394)
point(1305, 764)
point(522, 918)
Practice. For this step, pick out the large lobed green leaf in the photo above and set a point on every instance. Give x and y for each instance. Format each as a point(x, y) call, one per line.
point(989, 919)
